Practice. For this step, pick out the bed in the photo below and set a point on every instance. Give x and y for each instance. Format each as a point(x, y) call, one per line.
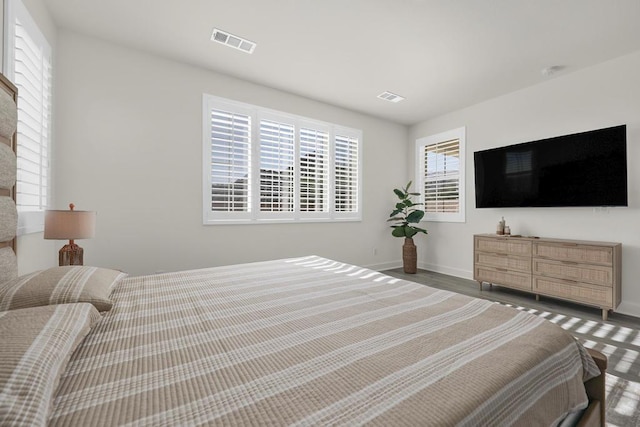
point(299, 341)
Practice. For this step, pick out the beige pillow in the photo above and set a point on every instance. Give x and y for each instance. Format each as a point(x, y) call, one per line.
point(61, 285)
point(37, 344)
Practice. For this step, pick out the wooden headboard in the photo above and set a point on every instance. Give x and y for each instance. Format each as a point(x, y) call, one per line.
point(8, 212)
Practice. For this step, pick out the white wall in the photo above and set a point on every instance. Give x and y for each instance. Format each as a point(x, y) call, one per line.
point(604, 95)
point(40, 14)
point(128, 145)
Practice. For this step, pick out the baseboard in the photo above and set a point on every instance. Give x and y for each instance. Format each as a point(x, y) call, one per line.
point(384, 266)
point(456, 272)
point(629, 308)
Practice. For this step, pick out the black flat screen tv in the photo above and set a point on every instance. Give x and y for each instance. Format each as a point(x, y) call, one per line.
point(582, 169)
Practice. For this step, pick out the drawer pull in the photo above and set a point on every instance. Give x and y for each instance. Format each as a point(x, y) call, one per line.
point(501, 269)
point(569, 262)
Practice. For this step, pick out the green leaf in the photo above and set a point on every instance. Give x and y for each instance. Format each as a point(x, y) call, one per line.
point(398, 232)
point(406, 213)
point(415, 216)
point(409, 232)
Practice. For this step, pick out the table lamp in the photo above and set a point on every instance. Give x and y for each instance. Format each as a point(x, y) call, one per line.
point(72, 225)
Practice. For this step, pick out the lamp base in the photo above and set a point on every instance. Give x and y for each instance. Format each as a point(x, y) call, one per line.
point(71, 254)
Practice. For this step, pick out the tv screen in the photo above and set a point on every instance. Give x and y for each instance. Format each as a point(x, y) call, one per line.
point(582, 169)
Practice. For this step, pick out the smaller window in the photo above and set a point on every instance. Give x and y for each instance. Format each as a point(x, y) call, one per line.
point(440, 169)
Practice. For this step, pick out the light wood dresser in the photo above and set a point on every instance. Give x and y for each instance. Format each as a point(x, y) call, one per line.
point(574, 270)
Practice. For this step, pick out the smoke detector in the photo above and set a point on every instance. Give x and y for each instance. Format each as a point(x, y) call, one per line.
point(391, 97)
point(233, 41)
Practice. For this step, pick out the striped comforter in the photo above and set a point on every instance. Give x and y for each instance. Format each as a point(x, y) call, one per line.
point(310, 341)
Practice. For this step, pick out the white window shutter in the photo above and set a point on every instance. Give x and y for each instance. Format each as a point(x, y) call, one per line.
point(263, 166)
point(230, 161)
point(314, 170)
point(346, 173)
point(277, 160)
point(442, 177)
point(32, 76)
point(28, 65)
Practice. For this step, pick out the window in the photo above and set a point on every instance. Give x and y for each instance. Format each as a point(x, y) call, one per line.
point(440, 180)
point(28, 65)
point(262, 166)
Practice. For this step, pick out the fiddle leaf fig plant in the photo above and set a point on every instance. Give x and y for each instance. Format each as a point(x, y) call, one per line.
point(405, 214)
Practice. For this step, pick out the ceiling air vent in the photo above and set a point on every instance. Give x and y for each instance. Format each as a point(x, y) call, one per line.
point(231, 40)
point(391, 97)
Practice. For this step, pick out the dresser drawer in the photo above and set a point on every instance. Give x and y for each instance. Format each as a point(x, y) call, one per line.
point(516, 263)
point(578, 292)
point(574, 252)
point(511, 246)
point(503, 277)
point(600, 275)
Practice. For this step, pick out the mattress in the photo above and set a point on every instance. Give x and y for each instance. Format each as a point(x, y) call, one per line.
point(311, 341)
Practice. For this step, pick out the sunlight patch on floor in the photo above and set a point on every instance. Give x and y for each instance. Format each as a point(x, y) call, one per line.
point(604, 330)
point(622, 334)
point(626, 361)
point(623, 405)
point(587, 327)
point(570, 323)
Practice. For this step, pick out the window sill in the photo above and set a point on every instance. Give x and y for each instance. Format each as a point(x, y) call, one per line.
point(277, 221)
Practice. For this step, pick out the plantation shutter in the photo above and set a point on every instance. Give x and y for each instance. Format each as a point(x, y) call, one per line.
point(32, 76)
point(314, 170)
point(277, 162)
point(262, 166)
point(230, 161)
point(346, 173)
point(442, 177)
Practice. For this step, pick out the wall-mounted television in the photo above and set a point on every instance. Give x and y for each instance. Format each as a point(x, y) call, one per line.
point(582, 169)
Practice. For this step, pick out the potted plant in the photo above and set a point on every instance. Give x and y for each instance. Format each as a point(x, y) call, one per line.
point(404, 215)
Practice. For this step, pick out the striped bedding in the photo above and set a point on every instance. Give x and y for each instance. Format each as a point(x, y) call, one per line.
point(310, 341)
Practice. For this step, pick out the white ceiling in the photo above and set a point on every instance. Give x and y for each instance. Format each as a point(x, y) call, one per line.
point(441, 55)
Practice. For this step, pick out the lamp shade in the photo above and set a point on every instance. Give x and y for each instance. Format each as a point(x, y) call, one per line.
point(69, 225)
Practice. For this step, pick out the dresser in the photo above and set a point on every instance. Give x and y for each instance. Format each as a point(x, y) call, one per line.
point(579, 271)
